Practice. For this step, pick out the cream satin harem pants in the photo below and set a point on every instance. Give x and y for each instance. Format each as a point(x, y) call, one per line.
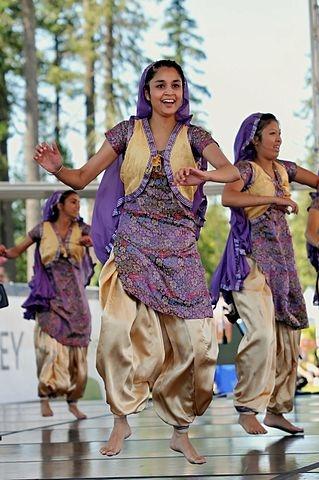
point(141, 350)
point(267, 356)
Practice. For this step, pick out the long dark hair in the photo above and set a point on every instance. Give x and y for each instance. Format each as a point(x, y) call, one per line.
point(159, 64)
point(55, 210)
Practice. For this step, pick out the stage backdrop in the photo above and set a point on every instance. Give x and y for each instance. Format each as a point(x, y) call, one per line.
point(18, 377)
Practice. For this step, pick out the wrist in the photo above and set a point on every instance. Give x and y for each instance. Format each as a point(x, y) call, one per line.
point(57, 171)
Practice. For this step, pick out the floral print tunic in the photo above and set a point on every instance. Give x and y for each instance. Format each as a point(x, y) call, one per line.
point(155, 247)
point(272, 249)
point(68, 319)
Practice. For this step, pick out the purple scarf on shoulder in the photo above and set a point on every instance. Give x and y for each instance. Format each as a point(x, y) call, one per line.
point(110, 195)
point(41, 288)
point(233, 268)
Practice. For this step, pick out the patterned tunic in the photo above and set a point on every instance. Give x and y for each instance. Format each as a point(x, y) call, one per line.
point(272, 249)
point(155, 247)
point(69, 318)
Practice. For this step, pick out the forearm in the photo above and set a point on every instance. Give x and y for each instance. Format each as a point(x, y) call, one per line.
point(74, 178)
point(227, 174)
point(243, 199)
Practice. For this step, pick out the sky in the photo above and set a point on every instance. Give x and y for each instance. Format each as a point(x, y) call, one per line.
point(258, 56)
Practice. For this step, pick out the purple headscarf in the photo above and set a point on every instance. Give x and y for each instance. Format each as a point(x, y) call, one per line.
point(110, 195)
point(41, 288)
point(233, 268)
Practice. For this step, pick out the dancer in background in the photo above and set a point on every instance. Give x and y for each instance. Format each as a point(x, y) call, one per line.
point(57, 301)
point(157, 332)
point(258, 273)
point(312, 236)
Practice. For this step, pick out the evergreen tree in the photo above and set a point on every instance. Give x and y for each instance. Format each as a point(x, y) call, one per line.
point(213, 238)
point(122, 29)
point(183, 45)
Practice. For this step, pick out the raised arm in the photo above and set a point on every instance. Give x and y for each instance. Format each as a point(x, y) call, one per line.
point(305, 177)
point(15, 251)
point(225, 172)
point(234, 197)
point(49, 157)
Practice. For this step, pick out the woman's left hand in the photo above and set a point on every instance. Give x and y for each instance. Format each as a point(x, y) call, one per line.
point(86, 241)
point(190, 176)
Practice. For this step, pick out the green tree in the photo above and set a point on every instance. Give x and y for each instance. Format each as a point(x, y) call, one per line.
point(59, 23)
point(183, 44)
point(10, 71)
point(122, 29)
point(213, 238)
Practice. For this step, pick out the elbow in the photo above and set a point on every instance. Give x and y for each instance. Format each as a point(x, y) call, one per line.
point(236, 174)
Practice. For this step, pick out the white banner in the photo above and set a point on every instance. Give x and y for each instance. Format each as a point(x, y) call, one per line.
point(18, 377)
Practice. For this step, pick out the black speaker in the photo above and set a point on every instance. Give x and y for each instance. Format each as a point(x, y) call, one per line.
point(3, 297)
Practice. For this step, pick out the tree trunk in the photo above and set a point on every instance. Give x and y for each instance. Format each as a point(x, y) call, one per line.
point(89, 87)
point(57, 63)
point(110, 111)
point(32, 115)
point(6, 215)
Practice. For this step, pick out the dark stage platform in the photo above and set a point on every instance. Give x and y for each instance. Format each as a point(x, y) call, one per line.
point(33, 447)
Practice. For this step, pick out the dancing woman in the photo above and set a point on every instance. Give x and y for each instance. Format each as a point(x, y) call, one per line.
point(157, 332)
point(258, 271)
point(57, 300)
point(312, 236)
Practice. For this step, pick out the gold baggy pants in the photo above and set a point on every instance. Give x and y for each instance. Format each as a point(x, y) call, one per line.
point(61, 369)
point(267, 357)
point(141, 350)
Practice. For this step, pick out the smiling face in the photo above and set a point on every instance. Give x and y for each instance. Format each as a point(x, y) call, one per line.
point(165, 91)
point(71, 206)
point(268, 144)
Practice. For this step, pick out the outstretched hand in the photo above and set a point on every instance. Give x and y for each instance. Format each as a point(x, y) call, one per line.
point(3, 251)
point(48, 156)
point(190, 176)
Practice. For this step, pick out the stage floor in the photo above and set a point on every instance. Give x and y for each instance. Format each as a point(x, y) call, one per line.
point(33, 447)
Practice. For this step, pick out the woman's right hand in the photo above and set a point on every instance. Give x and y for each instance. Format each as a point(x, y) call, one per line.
point(48, 156)
point(286, 205)
point(3, 251)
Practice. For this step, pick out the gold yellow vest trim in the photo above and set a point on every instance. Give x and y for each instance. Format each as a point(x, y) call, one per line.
point(50, 246)
point(137, 160)
point(263, 185)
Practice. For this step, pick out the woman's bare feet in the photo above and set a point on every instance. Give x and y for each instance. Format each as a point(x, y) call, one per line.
point(121, 431)
point(250, 424)
point(76, 412)
point(181, 443)
point(46, 410)
point(280, 422)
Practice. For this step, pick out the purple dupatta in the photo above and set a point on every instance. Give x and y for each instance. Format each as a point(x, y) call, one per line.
point(41, 288)
point(233, 267)
point(110, 195)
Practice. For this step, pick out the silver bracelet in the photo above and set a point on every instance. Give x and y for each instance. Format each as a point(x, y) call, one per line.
point(58, 170)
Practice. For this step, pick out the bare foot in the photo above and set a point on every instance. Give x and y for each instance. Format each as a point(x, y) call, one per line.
point(251, 425)
point(280, 422)
point(46, 410)
point(73, 408)
point(181, 443)
point(121, 431)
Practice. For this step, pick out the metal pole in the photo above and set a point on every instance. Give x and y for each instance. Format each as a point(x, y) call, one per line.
point(314, 35)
